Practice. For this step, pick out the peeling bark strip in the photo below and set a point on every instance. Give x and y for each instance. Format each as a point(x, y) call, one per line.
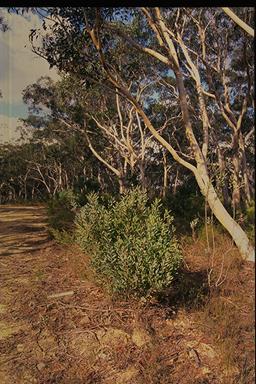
point(61, 294)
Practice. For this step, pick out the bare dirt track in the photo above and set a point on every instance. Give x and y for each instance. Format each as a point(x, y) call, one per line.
point(22, 229)
point(90, 337)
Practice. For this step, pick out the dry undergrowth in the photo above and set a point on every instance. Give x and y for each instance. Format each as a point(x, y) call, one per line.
point(189, 335)
point(227, 317)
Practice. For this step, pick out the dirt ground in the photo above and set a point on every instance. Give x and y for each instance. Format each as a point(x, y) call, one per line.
point(22, 229)
point(86, 336)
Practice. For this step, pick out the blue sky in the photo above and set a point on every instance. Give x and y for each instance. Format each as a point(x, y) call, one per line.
point(19, 67)
point(18, 109)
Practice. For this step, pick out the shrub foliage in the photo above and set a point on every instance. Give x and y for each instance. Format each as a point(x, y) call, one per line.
point(61, 210)
point(131, 242)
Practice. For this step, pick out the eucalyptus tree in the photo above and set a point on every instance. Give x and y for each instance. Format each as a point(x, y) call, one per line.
point(228, 62)
point(84, 41)
point(57, 116)
point(107, 125)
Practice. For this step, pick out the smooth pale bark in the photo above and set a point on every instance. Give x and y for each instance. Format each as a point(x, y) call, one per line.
point(241, 184)
point(238, 21)
point(117, 172)
point(238, 235)
point(32, 193)
point(200, 171)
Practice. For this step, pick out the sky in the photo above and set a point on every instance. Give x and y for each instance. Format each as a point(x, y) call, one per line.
point(19, 67)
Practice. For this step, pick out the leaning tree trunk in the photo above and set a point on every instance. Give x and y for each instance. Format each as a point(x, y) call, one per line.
point(238, 235)
point(200, 172)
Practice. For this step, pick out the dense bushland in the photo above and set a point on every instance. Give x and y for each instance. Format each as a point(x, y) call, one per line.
point(131, 242)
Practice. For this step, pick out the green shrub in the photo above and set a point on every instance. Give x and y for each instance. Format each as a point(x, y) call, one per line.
point(68, 199)
point(62, 236)
point(131, 243)
point(61, 210)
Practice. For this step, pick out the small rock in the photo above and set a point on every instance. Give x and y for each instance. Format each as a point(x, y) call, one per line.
point(113, 337)
point(127, 376)
point(85, 320)
point(208, 351)
point(103, 355)
point(20, 347)
point(140, 337)
point(85, 344)
point(3, 308)
point(40, 366)
point(205, 370)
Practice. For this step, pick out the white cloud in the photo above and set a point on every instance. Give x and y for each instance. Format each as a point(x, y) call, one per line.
point(19, 65)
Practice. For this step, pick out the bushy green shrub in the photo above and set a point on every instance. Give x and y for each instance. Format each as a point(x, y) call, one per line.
point(68, 199)
point(62, 236)
point(61, 210)
point(131, 243)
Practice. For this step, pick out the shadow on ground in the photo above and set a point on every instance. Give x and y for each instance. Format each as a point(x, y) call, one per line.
point(22, 229)
point(189, 291)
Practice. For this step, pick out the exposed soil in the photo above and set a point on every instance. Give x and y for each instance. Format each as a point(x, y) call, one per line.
point(90, 337)
point(22, 229)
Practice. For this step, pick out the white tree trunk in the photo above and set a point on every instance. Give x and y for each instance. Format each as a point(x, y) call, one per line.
point(171, 60)
point(238, 235)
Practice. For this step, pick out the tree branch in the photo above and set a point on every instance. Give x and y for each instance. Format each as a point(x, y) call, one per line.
point(238, 21)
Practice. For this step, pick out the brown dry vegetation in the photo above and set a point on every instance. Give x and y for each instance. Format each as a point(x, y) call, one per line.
point(192, 333)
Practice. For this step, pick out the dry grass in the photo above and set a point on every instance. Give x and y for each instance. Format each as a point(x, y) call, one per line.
point(200, 331)
point(227, 317)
